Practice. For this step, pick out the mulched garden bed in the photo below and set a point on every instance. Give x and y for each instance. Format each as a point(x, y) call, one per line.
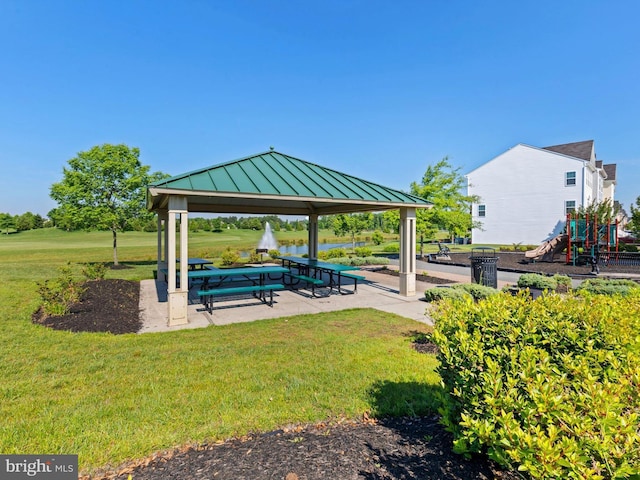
point(388, 449)
point(105, 306)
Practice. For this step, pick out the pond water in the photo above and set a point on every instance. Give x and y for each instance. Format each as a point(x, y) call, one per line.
point(304, 249)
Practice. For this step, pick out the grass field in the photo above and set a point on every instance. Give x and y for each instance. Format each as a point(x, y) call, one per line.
point(112, 398)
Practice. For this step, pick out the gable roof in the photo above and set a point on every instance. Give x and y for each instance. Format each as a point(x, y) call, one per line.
point(609, 170)
point(582, 150)
point(272, 182)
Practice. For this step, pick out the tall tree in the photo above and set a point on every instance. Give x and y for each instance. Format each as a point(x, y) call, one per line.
point(444, 186)
point(104, 188)
point(634, 223)
point(352, 224)
point(7, 222)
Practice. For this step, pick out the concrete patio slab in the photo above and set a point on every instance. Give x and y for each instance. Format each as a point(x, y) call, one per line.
point(378, 291)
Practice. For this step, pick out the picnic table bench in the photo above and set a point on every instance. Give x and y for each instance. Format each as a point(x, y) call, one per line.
point(226, 282)
point(311, 271)
point(258, 291)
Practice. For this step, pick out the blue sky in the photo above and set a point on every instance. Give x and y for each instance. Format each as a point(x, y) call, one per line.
point(376, 89)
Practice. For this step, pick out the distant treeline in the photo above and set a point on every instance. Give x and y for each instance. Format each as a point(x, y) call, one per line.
point(26, 221)
point(30, 221)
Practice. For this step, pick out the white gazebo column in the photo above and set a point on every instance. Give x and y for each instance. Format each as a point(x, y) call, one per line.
point(313, 236)
point(407, 252)
point(161, 264)
point(178, 297)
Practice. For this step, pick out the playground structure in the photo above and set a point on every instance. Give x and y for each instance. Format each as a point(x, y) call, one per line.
point(583, 239)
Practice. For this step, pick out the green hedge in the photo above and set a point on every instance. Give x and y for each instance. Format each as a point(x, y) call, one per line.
point(608, 287)
point(536, 280)
point(551, 386)
point(461, 290)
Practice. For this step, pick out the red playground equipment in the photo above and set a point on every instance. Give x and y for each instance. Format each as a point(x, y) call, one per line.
point(587, 238)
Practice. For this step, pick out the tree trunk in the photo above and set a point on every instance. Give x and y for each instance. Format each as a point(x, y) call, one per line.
point(115, 247)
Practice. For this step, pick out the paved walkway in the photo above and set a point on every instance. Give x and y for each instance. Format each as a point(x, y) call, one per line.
point(379, 291)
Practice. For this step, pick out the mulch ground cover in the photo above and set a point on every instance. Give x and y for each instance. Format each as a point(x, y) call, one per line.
point(382, 449)
point(105, 306)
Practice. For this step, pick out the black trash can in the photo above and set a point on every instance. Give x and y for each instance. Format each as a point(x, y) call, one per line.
point(484, 269)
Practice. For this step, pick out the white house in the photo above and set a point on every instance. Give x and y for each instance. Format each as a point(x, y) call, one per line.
point(526, 192)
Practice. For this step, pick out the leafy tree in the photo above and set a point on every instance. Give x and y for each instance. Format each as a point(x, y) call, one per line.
point(6, 222)
point(104, 188)
point(28, 221)
point(604, 211)
point(352, 225)
point(443, 186)
point(634, 223)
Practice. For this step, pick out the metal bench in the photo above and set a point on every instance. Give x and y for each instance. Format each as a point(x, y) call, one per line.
point(355, 279)
point(314, 282)
point(209, 294)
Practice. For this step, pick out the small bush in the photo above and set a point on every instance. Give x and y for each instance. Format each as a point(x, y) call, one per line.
point(229, 257)
point(440, 293)
point(335, 253)
point(535, 280)
point(603, 286)
point(274, 253)
point(376, 260)
point(391, 248)
point(94, 271)
point(363, 251)
point(549, 386)
point(478, 292)
point(254, 257)
point(60, 293)
point(377, 238)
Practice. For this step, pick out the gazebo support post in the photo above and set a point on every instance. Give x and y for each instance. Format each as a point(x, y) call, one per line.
point(161, 265)
point(407, 252)
point(178, 297)
point(313, 236)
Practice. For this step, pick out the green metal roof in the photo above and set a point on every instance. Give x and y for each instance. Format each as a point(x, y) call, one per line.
point(272, 182)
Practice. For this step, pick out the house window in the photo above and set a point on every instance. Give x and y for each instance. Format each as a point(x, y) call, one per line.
point(570, 179)
point(482, 210)
point(569, 206)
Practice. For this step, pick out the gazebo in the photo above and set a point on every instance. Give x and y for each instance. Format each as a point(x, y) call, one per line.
point(270, 183)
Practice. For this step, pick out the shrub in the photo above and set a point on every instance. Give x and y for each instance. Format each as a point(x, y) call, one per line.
point(94, 271)
point(274, 253)
point(478, 292)
point(254, 257)
point(535, 280)
point(377, 238)
point(440, 293)
point(60, 293)
point(229, 257)
point(376, 260)
point(603, 286)
point(335, 253)
point(564, 283)
point(363, 251)
point(551, 386)
point(391, 248)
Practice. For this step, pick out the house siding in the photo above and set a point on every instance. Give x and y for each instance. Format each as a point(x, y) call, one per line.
point(524, 194)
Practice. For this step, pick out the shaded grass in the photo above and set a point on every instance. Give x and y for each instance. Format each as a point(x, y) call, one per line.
point(113, 398)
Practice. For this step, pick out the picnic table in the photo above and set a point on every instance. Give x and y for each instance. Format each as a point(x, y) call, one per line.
point(197, 263)
point(311, 271)
point(217, 282)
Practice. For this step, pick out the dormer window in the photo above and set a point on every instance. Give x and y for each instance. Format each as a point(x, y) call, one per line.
point(570, 179)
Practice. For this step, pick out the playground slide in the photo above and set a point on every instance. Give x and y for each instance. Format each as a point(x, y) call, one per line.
point(548, 249)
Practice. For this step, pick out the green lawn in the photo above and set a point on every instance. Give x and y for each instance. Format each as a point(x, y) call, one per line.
point(113, 398)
